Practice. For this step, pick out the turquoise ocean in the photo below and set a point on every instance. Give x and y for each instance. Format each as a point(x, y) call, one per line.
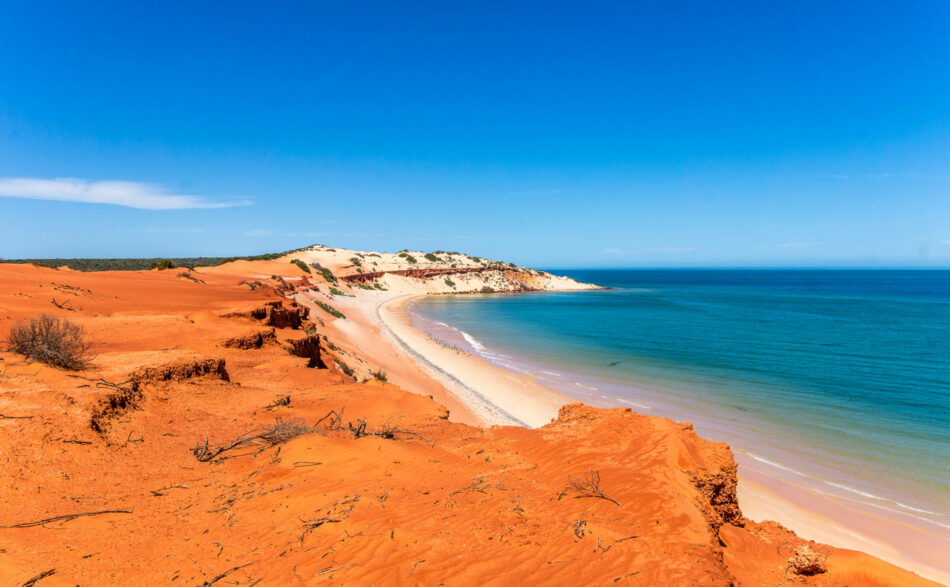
point(838, 380)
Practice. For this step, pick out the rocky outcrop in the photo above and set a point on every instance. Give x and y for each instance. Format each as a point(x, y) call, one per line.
point(276, 315)
point(309, 348)
point(254, 340)
point(180, 370)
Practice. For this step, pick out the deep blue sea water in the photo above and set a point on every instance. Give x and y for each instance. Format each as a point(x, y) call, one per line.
point(840, 377)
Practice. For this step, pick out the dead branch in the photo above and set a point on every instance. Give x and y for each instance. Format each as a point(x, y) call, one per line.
point(5, 417)
point(65, 518)
point(279, 433)
point(589, 486)
point(158, 492)
point(214, 580)
point(580, 527)
point(279, 402)
point(43, 575)
point(336, 419)
point(359, 431)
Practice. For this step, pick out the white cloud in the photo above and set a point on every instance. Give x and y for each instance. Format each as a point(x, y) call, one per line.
point(945, 243)
point(144, 196)
point(801, 245)
point(258, 232)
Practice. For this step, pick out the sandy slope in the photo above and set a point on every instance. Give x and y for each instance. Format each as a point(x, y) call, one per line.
point(425, 501)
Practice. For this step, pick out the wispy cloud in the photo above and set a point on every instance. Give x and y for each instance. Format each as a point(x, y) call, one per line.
point(801, 245)
point(649, 250)
point(144, 196)
point(945, 243)
point(258, 233)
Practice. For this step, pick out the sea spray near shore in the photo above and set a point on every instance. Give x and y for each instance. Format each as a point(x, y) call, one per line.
point(840, 379)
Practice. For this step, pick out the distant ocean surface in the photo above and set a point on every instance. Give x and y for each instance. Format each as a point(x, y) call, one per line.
point(835, 379)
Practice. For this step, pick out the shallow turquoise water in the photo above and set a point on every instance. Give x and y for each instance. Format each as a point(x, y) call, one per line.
point(841, 377)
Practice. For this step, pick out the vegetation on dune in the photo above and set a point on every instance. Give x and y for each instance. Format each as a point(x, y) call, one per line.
point(328, 275)
point(140, 264)
point(408, 257)
point(449, 282)
point(345, 368)
point(302, 265)
point(487, 289)
point(50, 340)
point(162, 265)
point(356, 261)
point(379, 375)
point(364, 286)
point(339, 292)
point(433, 258)
point(330, 310)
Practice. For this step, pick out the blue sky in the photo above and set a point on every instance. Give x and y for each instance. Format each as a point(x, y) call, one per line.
point(550, 134)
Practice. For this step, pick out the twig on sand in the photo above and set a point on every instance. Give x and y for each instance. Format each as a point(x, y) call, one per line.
point(42, 575)
point(158, 492)
point(65, 518)
point(335, 419)
point(214, 580)
point(589, 486)
point(6, 417)
point(283, 401)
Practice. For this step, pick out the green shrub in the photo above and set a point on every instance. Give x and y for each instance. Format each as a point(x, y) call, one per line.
point(449, 282)
point(433, 258)
point(302, 265)
point(345, 368)
point(328, 275)
point(162, 265)
point(356, 261)
point(410, 258)
point(48, 340)
point(339, 292)
point(330, 310)
point(487, 289)
point(364, 286)
point(379, 375)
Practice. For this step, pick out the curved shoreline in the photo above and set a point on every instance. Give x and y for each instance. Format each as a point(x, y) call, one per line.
point(762, 496)
point(490, 413)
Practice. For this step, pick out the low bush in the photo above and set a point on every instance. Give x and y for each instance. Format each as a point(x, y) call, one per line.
point(449, 282)
point(328, 275)
point(50, 340)
point(162, 265)
point(330, 310)
point(302, 265)
point(379, 375)
point(433, 258)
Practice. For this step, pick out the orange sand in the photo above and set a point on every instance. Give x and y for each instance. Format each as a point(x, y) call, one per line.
point(440, 501)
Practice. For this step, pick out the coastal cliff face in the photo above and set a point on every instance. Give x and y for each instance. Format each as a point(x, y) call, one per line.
point(216, 436)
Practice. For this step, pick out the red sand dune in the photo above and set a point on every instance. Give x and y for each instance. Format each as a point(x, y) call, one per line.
point(411, 498)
